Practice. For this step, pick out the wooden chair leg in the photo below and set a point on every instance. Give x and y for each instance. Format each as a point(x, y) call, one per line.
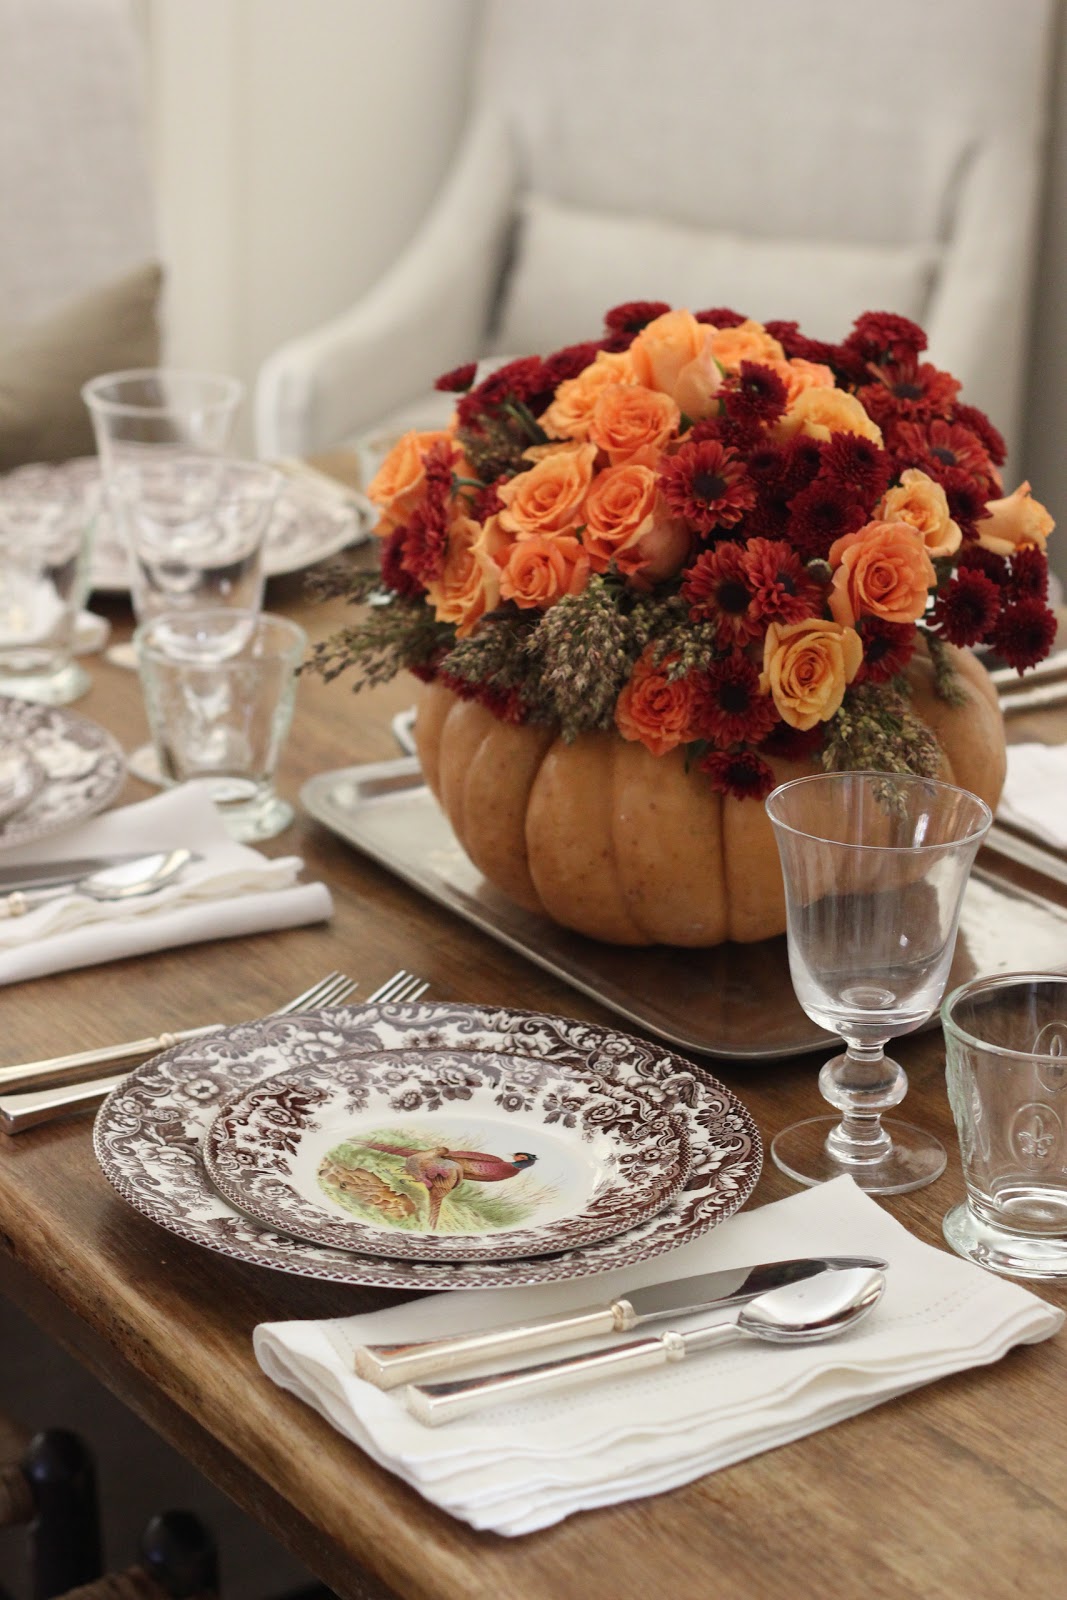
point(179, 1561)
point(64, 1535)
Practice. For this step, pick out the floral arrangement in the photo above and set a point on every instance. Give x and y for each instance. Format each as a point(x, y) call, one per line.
point(707, 532)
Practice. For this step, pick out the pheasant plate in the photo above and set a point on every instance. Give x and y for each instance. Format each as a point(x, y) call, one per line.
point(150, 1130)
point(444, 1154)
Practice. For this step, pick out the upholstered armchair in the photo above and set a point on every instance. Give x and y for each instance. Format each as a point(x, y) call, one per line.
point(797, 161)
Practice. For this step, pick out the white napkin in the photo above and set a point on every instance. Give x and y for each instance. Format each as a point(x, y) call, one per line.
point(1035, 791)
point(232, 890)
point(526, 1465)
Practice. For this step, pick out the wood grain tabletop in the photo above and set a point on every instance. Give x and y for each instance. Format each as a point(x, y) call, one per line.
point(958, 1489)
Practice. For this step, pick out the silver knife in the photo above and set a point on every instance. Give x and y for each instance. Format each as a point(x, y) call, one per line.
point(55, 874)
point(389, 1365)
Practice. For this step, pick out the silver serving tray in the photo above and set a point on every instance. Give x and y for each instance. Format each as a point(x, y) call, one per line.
point(734, 1001)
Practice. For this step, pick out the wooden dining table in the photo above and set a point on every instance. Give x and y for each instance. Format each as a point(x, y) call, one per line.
point(957, 1489)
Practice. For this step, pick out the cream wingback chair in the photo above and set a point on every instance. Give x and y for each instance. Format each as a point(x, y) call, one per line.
point(803, 161)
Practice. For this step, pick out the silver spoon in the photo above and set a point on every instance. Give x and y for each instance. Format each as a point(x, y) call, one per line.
point(798, 1313)
point(127, 881)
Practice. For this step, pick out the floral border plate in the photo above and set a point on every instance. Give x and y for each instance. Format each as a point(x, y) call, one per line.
point(446, 1155)
point(307, 525)
point(148, 1134)
point(83, 766)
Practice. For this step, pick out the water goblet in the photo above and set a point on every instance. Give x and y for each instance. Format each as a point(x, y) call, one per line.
point(874, 866)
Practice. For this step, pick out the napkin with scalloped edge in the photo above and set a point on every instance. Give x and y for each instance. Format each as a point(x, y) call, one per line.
point(1035, 792)
point(230, 891)
point(529, 1464)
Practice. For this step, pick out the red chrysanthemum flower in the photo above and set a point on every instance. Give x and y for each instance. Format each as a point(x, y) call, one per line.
point(887, 649)
point(883, 338)
point(720, 317)
point(426, 544)
point(794, 744)
point(994, 566)
point(803, 462)
point(486, 501)
point(718, 589)
point(728, 707)
point(459, 380)
point(741, 773)
point(1029, 574)
point(567, 363)
point(706, 484)
point(518, 380)
point(1024, 634)
point(821, 513)
point(967, 607)
point(783, 588)
point(780, 473)
point(977, 421)
point(754, 395)
point(859, 464)
point(966, 499)
point(939, 447)
point(395, 574)
point(633, 315)
point(912, 391)
point(798, 345)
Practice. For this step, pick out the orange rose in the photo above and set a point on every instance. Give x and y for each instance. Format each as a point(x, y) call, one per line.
point(821, 412)
point(1016, 520)
point(749, 341)
point(626, 521)
point(798, 375)
point(806, 668)
point(922, 503)
point(653, 709)
point(548, 498)
point(673, 354)
point(571, 411)
point(882, 571)
point(632, 423)
point(469, 585)
point(538, 571)
point(398, 482)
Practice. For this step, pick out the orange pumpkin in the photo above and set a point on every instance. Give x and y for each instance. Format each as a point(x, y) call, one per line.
point(631, 848)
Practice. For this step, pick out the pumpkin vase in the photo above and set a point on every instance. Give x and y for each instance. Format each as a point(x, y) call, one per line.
point(633, 849)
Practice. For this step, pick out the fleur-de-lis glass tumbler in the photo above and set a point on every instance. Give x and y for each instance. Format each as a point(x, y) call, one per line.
point(1006, 1061)
point(874, 866)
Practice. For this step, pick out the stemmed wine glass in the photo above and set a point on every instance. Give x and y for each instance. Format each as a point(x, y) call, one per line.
point(875, 865)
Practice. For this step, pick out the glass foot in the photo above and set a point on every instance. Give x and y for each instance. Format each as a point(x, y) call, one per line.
point(260, 819)
point(144, 764)
point(915, 1158)
point(50, 689)
point(1017, 1254)
point(122, 655)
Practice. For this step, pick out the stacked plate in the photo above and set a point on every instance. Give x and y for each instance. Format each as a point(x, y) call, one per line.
point(56, 769)
point(428, 1146)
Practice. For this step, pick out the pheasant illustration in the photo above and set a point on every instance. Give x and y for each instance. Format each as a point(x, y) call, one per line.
point(440, 1170)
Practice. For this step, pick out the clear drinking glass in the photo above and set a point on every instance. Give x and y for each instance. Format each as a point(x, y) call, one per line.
point(874, 865)
point(194, 527)
point(219, 688)
point(1006, 1061)
point(44, 549)
point(148, 410)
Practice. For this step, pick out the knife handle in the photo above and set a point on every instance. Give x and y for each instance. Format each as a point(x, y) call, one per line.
point(18, 1112)
point(388, 1366)
point(435, 1403)
point(61, 1069)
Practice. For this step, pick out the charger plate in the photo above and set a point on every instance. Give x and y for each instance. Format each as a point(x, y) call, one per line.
point(439, 1155)
point(149, 1133)
point(734, 1001)
point(78, 768)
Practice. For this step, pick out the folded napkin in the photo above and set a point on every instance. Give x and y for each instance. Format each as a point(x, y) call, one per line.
point(1034, 792)
point(528, 1464)
point(232, 890)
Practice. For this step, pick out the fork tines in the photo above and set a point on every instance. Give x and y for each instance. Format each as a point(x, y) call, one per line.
point(401, 986)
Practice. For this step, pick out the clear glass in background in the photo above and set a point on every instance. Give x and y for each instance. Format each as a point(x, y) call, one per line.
point(219, 688)
point(152, 410)
point(874, 865)
point(44, 553)
point(1006, 1061)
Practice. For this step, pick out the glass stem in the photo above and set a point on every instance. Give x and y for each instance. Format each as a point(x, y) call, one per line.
point(861, 1084)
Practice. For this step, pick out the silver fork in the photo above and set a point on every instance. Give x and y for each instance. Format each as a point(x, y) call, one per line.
point(19, 1112)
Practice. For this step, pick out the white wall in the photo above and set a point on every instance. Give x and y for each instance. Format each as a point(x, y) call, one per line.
point(296, 145)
